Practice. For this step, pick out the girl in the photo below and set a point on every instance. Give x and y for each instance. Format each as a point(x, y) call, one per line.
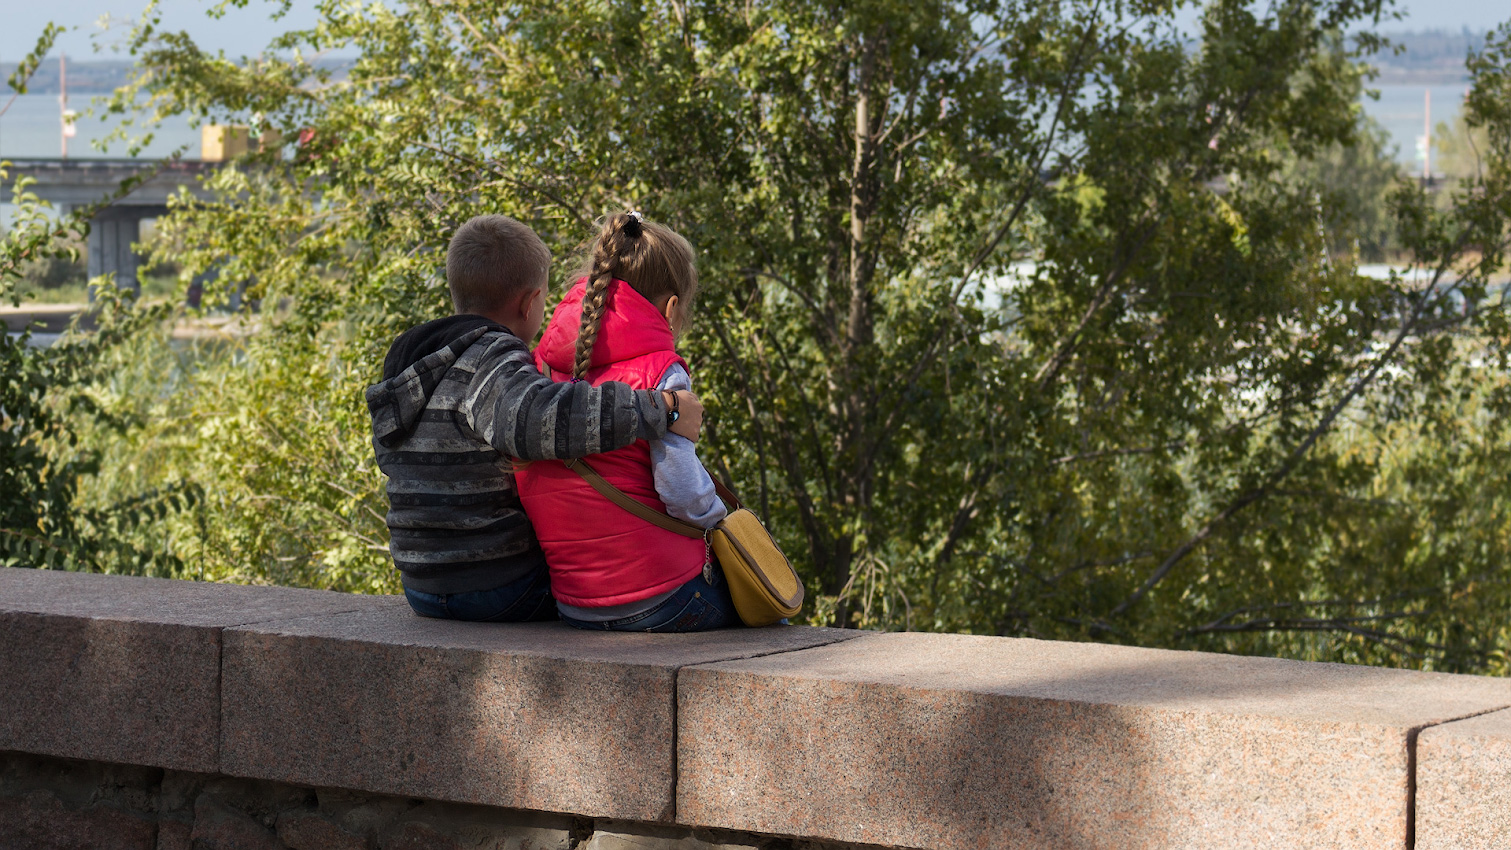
point(609, 568)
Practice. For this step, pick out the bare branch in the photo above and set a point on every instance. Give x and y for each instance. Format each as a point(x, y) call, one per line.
point(1148, 450)
point(787, 459)
point(491, 167)
point(1069, 342)
point(1067, 94)
point(965, 512)
point(813, 306)
point(487, 43)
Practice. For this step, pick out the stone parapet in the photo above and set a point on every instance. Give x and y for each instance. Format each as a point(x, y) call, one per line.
point(127, 670)
point(952, 741)
point(1463, 781)
point(748, 738)
point(532, 716)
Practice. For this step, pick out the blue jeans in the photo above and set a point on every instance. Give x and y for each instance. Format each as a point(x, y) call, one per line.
point(523, 601)
point(699, 605)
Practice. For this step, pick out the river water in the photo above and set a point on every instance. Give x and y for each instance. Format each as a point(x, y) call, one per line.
point(1402, 109)
point(32, 127)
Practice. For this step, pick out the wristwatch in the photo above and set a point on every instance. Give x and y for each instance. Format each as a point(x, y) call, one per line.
point(672, 415)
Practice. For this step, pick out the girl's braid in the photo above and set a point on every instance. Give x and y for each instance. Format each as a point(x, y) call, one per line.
point(613, 245)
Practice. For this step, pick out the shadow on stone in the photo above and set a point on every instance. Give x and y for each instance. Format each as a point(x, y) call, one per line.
point(952, 741)
point(532, 716)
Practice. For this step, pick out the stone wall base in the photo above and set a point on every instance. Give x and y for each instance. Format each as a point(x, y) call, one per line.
point(65, 804)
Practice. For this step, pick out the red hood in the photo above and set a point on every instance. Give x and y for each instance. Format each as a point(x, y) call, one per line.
point(631, 328)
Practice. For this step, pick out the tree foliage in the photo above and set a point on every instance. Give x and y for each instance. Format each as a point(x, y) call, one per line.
point(51, 396)
point(1019, 318)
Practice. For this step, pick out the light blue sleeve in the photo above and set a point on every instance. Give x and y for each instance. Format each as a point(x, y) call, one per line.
point(680, 479)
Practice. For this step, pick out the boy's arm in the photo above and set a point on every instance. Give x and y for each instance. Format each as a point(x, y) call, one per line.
point(525, 415)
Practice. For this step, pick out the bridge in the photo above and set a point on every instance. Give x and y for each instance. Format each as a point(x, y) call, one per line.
point(71, 183)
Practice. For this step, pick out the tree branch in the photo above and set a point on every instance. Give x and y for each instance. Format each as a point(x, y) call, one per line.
point(1294, 457)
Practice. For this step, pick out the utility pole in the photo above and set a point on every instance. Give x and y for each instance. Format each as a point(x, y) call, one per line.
point(1427, 134)
point(63, 101)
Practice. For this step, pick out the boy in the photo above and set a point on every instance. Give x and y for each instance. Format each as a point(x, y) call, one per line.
point(460, 397)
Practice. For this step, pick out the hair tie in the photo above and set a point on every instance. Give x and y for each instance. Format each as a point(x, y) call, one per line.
point(635, 226)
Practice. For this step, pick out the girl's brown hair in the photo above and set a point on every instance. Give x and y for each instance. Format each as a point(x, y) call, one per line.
point(650, 257)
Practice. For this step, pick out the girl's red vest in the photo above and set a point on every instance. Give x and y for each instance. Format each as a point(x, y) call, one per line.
point(599, 553)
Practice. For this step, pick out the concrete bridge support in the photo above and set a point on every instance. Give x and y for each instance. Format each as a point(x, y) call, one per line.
point(112, 233)
point(68, 184)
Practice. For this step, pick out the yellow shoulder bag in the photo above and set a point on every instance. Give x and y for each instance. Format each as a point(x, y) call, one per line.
point(763, 584)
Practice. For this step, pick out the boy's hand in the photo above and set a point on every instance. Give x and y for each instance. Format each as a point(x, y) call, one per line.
point(690, 414)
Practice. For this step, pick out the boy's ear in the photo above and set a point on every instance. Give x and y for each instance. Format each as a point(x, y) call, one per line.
point(527, 300)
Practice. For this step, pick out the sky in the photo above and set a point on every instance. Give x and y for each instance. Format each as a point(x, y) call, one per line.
point(246, 30)
point(1452, 14)
point(240, 32)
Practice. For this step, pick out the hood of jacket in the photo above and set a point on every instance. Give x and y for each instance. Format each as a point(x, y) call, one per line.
point(415, 364)
point(632, 327)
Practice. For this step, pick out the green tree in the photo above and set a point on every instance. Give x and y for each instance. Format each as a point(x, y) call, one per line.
point(1459, 151)
point(1354, 182)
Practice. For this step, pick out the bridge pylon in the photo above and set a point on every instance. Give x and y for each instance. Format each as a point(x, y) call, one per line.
point(114, 229)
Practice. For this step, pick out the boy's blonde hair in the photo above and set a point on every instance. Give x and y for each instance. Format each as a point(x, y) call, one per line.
point(490, 258)
point(652, 258)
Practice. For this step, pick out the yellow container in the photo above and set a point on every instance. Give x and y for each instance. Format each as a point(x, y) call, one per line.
point(221, 142)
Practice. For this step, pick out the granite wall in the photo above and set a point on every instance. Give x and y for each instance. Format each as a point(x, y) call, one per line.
point(164, 714)
point(49, 803)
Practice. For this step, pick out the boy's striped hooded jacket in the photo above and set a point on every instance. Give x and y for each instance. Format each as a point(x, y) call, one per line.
point(460, 396)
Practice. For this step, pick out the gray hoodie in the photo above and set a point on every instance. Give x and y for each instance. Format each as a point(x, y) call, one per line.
point(460, 397)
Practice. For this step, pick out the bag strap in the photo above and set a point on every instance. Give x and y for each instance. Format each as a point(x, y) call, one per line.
point(723, 492)
point(639, 509)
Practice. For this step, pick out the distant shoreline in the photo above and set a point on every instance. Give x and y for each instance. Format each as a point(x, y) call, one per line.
point(93, 77)
point(85, 77)
point(1395, 77)
point(92, 82)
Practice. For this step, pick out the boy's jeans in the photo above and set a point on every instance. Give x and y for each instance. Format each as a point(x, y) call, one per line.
point(526, 600)
point(701, 604)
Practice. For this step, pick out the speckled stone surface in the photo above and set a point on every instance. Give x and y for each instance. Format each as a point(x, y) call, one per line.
point(952, 741)
point(532, 716)
point(123, 669)
point(1464, 784)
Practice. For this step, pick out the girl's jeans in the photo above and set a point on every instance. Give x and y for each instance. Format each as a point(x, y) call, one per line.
point(701, 604)
point(525, 600)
